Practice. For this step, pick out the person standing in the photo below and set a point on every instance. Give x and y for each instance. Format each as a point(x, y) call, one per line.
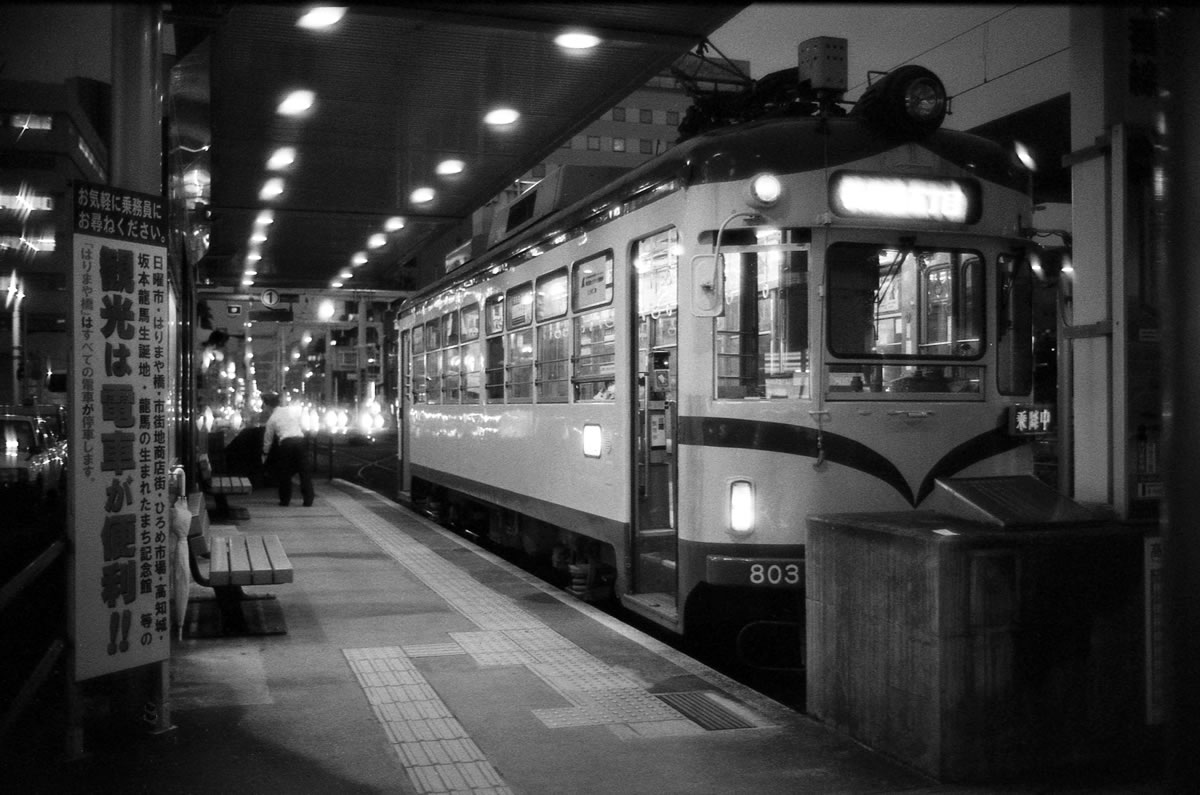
point(284, 425)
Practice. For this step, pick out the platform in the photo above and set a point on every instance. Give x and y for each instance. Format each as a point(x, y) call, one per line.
point(415, 662)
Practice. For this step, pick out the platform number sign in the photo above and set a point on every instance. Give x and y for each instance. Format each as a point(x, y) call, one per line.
point(269, 298)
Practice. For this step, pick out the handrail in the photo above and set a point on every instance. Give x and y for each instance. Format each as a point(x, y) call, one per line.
point(37, 677)
point(13, 587)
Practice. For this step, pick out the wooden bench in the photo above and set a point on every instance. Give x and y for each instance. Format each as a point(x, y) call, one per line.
point(221, 486)
point(224, 559)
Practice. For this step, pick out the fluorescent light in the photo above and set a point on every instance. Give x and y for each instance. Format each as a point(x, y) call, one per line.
point(296, 103)
point(265, 218)
point(283, 157)
point(447, 167)
point(394, 224)
point(377, 240)
point(422, 195)
point(271, 189)
point(501, 116)
point(359, 259)
point(345, 274)
point(321, 17)
point(576, 40)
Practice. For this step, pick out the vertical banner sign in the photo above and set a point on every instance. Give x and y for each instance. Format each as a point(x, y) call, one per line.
point(119, 435)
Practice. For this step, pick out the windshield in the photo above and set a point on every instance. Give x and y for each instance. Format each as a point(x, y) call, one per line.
point(17, 435)
point(915, 308)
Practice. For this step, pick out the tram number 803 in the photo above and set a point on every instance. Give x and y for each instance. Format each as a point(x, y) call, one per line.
point(758, 572)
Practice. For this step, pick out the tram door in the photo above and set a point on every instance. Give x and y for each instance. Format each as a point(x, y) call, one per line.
point(655, 538)
point(405, 366)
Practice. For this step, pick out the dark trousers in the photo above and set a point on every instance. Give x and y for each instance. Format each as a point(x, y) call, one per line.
point(293, 459)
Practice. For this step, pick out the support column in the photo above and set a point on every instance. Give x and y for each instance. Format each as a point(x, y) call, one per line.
point(1181, 375)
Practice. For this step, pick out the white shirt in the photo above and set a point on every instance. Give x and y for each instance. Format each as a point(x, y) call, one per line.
point(284, 423)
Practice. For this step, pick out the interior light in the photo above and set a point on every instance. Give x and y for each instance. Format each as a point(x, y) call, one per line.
point(1025, 156)
point(296, 103)
point(501, 116)
point(576, 40)
point(359, 259)
point(741, 506)
point(321, 17)
point(447, 167)
point(593, 440)
point(271, 189)
point(325, 310)
point(394, 224)
point(422, 195)
point(283, 157)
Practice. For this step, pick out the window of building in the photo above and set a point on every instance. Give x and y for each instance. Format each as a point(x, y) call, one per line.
point(646, 147)
point(673, 118)
point(618, 144)
point(593, 142)
point(646, 116)
point(618, 114)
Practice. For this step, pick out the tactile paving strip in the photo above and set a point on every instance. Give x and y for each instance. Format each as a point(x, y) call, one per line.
point(417, 721)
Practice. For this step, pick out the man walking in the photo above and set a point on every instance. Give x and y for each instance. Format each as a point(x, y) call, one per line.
point(292, 457)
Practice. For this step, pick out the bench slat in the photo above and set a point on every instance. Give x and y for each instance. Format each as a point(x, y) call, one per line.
point(260, 561)
point(239, 562)
point(218, 561)
point(280, 565)
point(229, 484)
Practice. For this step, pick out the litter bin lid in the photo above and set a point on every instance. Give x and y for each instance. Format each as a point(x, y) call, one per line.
point(1018, 502)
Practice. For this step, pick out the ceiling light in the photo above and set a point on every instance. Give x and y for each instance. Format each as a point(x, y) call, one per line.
point(265, 218)
point(296, 103)
point(576, 40)
point(447, 167)
point(321, 17)
point(271, 189)
point(376, 240)
point(246, 282)
point(394, 224)
point(283, 157)
point(345, 274)
point(335, 284)
point(258, 237)
point(422, 195)
point(253, 256)
point(359, 259)
point(501, 116)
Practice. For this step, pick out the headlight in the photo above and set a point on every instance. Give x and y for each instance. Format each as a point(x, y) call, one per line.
point(909, 102)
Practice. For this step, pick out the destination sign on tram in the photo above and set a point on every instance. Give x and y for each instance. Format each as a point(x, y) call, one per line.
point(863, 195)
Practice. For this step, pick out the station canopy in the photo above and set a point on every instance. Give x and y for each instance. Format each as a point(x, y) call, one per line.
point(397, 91)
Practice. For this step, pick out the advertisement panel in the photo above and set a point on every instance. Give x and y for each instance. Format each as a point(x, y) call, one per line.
point(119, 437)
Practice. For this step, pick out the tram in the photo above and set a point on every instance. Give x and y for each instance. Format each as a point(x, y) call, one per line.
point(817, 311)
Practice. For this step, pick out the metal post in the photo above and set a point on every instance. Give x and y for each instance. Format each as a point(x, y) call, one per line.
point(1181, 380)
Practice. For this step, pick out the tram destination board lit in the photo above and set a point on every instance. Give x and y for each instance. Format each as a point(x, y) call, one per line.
point(862, 195)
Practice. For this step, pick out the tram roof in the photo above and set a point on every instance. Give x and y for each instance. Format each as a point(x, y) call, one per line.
point(398, 88)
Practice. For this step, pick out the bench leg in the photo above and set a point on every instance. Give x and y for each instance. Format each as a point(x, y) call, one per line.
point(229, 601)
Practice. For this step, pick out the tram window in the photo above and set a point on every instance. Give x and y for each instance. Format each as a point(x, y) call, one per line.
point(592, 281)
point(451, 374)
point(450, 328)
point(470, 322)
point(656, 262)
point(420, 385)
point(595, 359)
point(418, 339)
point(433, 376)
point(433, 335)
point(494, 372)
point(553, 360)
point(472, 372)
point(493, 310)
point(518, 383)
point(762, 337)
point(904, 303)
point(552, 295)
point(519, 302)
point(1014, 356)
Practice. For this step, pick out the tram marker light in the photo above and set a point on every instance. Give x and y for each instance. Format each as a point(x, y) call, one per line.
point(764, 190)
point(593, 440)
point(741, 506)
point(708, 286)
